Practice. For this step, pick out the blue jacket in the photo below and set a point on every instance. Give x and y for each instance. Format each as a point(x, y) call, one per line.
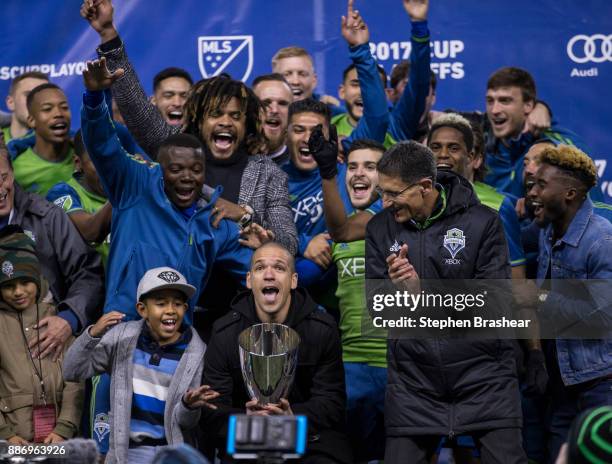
point(530, 235)
point(583, 253)
point(405, 115)
point(375, 120)
point(148, 230)
point(401, 123)
point(505, 163)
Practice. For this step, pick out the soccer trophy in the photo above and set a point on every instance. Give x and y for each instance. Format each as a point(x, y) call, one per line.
point(268, 359)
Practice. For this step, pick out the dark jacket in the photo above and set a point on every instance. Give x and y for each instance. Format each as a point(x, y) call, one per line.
point(73, 269)
point(318, 390)
point(263, 185)
point(447, 386)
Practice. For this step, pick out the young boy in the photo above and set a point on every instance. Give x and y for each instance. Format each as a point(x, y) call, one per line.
point(155, 365)
point(39, 168)
point(83, 198)
point(45, 409)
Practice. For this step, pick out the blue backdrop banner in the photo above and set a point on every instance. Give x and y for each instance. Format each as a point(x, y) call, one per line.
point(565, 44)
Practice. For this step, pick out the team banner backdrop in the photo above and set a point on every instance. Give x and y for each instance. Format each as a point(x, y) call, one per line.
point(565, 44)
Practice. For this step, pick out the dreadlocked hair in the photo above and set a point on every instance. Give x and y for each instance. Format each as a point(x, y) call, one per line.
point(208, 95)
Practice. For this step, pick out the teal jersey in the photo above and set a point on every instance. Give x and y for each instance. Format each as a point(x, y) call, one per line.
point(361, 342)
point(7, 134)
point(38, 175)
point(490, 197)
point(344, 129)
point(72, 197)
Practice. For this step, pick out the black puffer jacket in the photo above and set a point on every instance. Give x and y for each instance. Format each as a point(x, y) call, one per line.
point(318, 390)
point(447, 386)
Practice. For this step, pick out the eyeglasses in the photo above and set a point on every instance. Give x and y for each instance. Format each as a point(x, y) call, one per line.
point(393, 195)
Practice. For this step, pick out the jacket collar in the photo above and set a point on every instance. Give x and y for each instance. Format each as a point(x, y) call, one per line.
point(515, 147)
point(147, 337)
point(294, 173)
point(456, 195)
point(302, 305)
point(240, 155)
point(577, 227)
point(25, 201)
point(21, 203)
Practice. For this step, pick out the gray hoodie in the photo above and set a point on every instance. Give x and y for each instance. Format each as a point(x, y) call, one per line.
point(113, 353)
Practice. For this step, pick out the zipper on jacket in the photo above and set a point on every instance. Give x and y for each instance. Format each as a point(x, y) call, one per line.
point(451, 432)
point(189, 244)
point(421, 251)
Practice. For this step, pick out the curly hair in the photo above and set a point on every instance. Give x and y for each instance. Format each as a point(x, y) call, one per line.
point(457, 122)
point(208, 95)
point(573, 162)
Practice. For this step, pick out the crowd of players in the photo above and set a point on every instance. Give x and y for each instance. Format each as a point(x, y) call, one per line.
point(139, 233)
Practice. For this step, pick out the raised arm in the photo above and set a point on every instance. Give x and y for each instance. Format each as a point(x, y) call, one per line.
point(340, 227)
point(375, 120)
point(124, 176)
point(406, 114)
point(141, 117)
point(92, 227)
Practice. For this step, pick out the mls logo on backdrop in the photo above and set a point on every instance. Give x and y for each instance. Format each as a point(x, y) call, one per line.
point(232, 54)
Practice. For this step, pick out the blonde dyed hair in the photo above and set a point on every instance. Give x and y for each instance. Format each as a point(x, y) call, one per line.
point(573, 161)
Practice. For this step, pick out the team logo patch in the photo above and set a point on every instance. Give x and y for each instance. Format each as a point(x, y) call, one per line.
point(7, 268)
point(30, 234)
point(454, 241)
point(142, 160)
point(101, 426)
point(169, 276)
point(395, 248)
point(232, 54)
point(64, 202)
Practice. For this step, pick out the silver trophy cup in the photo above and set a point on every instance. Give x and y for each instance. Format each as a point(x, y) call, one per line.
point(268, 358)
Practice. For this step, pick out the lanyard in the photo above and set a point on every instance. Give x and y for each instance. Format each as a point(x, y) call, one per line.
point(38, 371)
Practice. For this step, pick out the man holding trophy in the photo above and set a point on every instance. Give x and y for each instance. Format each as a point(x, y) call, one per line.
point(283, 336)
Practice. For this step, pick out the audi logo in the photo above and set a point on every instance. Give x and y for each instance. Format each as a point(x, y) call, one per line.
point(596, 48)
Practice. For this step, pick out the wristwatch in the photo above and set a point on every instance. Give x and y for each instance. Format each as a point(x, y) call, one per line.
point(247, 217)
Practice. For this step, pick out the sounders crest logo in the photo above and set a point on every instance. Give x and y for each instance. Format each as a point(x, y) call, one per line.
point(8, 269)
point(454, 241)
point(101, 426)
point(64, 202)
point(232, 54)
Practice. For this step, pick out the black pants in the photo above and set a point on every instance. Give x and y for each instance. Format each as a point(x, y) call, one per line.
point(502, 446)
